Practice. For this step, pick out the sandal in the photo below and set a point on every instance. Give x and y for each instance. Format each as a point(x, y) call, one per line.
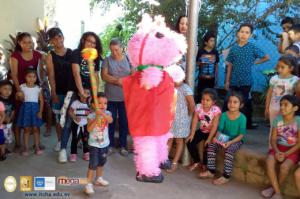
point(173, 168)
point(267, 193)
point(220, 181)
point(206, 174)
point(194, 166)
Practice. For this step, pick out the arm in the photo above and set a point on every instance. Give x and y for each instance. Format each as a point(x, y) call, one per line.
point(268, 100)
point(77, 77)
point(274, 140)
point(41, 103)
point(107, 77)
point(228, 74)
point(193, 127)
point(72, 115)
point(42, 70)
point(91, 124)
point(213, 129)
point(284, 42)
point(14, 72)
point(216, 71)
point(2, 117)
point(51, 76)
point(295, 148)
point(107, 117)
point(235, 140)
point(191, 104)
point(262, 60)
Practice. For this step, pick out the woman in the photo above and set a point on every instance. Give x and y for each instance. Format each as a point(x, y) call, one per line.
point(115, 67)
point(182, 27)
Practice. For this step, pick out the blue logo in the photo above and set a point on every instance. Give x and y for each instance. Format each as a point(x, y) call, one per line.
point(39, 182)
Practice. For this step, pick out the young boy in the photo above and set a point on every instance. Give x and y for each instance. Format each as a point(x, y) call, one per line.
point(98, 143)
point(240, 60)
point(60, 77)
point(207, 60)
point(294, 34)
point(286, 24)
point(5, 98)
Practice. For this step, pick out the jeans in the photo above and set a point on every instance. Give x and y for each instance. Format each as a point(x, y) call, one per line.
point(98, 157)
point(118, 109)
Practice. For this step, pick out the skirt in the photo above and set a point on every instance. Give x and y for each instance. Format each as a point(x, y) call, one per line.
point(28, 115)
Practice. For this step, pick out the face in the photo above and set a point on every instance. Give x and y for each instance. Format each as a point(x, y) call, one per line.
point(6, 91)
point(57, 41)
point(284, 69)
point(287, 108)
point(244, 34)
point(26, 44)
point(211, 42)
point(90, 42)
point(116, 50)
point(234, 104)
point(294, 36)
point(286, 27)
point(183, 25)
point(207, 101)
point(291, 52)
point(31, 78)
point(102, 103)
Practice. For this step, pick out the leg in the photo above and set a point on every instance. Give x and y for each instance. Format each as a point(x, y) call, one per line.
point(66, 133)
point(26, 140)
point(112, 107)
point(48, 119)
point(247, 110)
point(179, 149)
point(75, 138)
point(211, 157)
point(17, 131)
point(193, 145)
point(297, 179)
point(36, 134)
point(123, 124)
point(170, 144)
point(229, 158)
point(271, 171)
point(85, 137)
point(102, 155)
point(285, 168)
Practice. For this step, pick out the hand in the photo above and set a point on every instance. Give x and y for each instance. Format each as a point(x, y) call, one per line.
point(55, 99)
point(226, 86)
point(189, 139)
point(20, 96)
point(100, 112)
point(77, 119)
point(280, 157)
point(226, 145)
point(119, 82)
point(267, 113)
point(207, 142)
point(39, 114)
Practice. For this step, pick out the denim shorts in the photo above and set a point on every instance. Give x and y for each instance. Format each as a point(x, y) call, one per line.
point(98, 157)
point(56, 107)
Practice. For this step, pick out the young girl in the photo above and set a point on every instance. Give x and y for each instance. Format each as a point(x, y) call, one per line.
point(30, 115)
point(22, 58)
point(231, 131)
point(285, 142)
point(208, 114)
point(181, 127)
point(79, 111)
point(98, 144)
point(280, 85)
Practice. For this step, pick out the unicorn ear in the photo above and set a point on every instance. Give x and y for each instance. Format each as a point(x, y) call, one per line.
point(176, 73)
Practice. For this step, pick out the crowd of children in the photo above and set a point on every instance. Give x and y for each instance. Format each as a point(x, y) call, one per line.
point(22, 105)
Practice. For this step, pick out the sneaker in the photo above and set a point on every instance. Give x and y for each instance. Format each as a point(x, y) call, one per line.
point(151, 179)
point(62, 156)
point(89, 189)
point(267, 193)
point(73, 157)
point(57, 147)
point(101, 182)
point(86, 156)
point(123, 151)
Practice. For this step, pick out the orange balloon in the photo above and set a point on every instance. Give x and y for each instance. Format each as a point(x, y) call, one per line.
point(89, 53)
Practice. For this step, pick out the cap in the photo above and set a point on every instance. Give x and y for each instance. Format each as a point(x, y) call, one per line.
point(53, 32)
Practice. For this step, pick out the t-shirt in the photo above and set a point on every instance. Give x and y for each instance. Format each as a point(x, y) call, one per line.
point(64, 78)
point(232, 128)
point(208, 61)
point(94, 136)
point(9, 105)
point(81, 110)
point(287, 133)
point(24, 64)
point(242, 60)
point(117, 69)
point(31, 94)
point(206, 118)
point(83, 68)
point(280, 87)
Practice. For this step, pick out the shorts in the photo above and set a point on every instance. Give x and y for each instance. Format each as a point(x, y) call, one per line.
point(98, 157)
point(56, 107)
point(2, 138)
point(294, 157)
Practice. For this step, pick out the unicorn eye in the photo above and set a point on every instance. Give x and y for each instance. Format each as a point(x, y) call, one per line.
point(159, 35)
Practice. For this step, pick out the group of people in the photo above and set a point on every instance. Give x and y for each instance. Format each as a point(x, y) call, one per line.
point(26, 94)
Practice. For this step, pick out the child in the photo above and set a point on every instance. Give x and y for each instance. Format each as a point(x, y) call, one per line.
point(208, 114)
point(285, 142)
point(185, 106)
point(30, 115)
point(207, 59)
point(294, 35)
point(2, 138)
point(280, 85)
point(98, 144)
point(79, 111)
point(230, 136)
point(242, 56)
point(297, 178)
point(5, 98)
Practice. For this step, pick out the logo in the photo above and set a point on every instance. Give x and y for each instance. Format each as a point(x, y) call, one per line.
point(25, 183)
point(66, 181)
point(44, 183)
point(10, 184)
